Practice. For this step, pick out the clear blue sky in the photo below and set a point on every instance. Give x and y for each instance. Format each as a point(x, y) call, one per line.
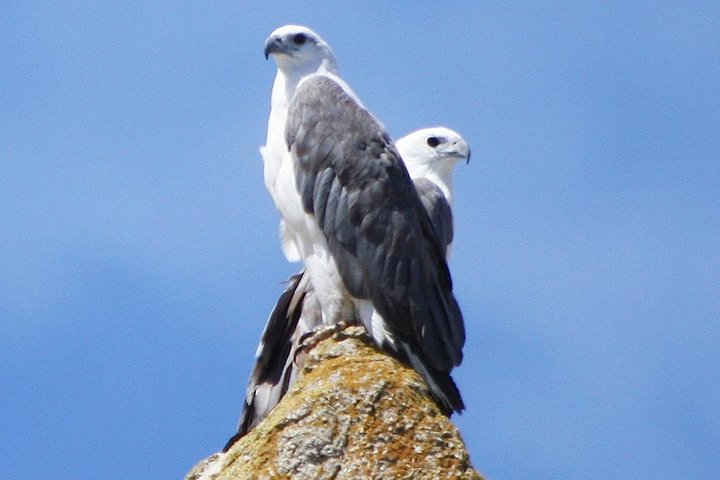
point(139, 254)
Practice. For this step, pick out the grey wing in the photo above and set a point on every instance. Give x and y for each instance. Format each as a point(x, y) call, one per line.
point(295, 314)
point(438, 209)
point(351, 178)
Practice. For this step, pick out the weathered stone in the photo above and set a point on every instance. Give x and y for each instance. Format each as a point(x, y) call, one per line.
point(354, 413)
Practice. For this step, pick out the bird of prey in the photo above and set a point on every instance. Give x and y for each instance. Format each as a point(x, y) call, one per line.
point(430, 155)
point(353, 216)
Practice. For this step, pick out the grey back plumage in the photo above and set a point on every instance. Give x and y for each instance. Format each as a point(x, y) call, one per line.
point(438, 209)
point(352, 179)
point(297, 309)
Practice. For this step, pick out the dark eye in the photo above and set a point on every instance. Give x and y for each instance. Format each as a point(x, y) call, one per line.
point(299, 38)
point(433, 141)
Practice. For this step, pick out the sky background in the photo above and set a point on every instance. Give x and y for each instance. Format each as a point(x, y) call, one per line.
point(139, 254)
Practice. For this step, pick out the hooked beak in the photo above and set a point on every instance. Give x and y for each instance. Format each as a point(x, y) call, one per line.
point(462, 150)
point(273, 45)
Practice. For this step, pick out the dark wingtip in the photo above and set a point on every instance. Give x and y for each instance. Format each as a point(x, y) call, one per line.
point(232, 441)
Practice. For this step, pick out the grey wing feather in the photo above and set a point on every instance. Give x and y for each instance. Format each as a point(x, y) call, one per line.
point(275, 371)
point(351, 178)
point(439, 210)
point(295, 314)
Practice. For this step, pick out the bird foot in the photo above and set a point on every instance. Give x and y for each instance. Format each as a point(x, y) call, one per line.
point(313, 338)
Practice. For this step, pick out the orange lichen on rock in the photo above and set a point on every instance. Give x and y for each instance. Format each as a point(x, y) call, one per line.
point(355, 412)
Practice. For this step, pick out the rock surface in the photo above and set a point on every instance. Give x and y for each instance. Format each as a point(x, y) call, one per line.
point(354, 413)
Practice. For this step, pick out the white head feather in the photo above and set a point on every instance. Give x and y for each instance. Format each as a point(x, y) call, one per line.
point(432, 153)
point(298, 51)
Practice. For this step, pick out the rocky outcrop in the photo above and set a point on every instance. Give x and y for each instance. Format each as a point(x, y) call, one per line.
point(354, 413)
